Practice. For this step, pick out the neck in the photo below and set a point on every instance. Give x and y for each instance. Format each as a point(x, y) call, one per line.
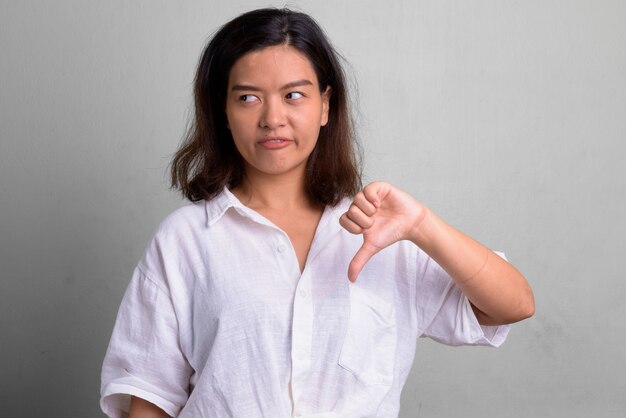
point(261, 191)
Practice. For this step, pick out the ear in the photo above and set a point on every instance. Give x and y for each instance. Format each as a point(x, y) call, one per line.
point(325, 105)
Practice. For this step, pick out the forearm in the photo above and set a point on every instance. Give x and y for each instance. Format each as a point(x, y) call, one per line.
point(140, 408)
point(497, 290)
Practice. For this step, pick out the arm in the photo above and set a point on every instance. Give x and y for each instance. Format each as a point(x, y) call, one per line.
point(384, 214)
point(140, 408)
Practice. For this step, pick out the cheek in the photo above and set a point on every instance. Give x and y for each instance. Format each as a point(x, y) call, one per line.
point(237, 117)
point(238, 137)
point(311, 121)
point(238, 125)
point(231, 118)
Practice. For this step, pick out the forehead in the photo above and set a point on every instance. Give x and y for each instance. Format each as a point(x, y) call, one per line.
point(279, 65)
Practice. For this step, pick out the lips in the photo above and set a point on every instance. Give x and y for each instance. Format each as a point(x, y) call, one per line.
point(274, 142)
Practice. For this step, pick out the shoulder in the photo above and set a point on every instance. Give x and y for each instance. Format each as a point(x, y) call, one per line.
point(198, 215)
point(190, 216)
point(184, 228)
point(175, 236)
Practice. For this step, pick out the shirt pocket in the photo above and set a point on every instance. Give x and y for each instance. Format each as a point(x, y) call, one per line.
point(369, 348)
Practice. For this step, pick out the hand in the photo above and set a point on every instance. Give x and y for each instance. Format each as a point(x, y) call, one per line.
point(384, 215)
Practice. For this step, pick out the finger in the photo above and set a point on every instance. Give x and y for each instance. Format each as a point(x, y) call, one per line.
point(349, 225)
point(365, 205)
point(356, 215)
point(376, 192)
point(361, 258)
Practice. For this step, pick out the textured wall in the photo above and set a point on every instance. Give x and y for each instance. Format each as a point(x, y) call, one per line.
point(508, 118)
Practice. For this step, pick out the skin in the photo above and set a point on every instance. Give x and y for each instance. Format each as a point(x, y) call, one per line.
point(274, 94)
point(384, 215)
point(140, 408)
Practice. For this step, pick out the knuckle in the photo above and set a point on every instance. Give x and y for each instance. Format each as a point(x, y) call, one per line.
point(353, 211)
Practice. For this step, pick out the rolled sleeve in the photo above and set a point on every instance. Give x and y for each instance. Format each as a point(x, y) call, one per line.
point(144, 358)
point(487, 335)
point(445, 314)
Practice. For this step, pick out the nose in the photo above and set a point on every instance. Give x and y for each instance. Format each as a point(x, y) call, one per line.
point(273, 115)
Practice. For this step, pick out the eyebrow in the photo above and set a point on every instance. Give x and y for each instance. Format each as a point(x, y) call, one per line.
point(247, 87)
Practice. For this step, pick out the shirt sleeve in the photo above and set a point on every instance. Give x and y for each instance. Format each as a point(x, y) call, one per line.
point(144, 358)
point(444, 313)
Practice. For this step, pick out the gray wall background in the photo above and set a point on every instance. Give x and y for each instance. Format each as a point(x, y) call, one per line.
point(507, 117)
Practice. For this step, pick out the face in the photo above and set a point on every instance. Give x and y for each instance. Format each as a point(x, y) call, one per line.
point(275, 110)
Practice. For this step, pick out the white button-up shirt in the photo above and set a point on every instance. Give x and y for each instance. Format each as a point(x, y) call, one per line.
point(218, 320)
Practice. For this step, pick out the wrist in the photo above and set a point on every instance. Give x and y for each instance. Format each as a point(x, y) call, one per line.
point(419, 232)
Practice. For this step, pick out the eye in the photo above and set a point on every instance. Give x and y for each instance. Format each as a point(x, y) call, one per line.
point(294, 95)
point(248, 98)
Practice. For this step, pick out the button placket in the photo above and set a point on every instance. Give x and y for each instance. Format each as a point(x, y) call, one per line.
point(302, 330)
point(285, 257)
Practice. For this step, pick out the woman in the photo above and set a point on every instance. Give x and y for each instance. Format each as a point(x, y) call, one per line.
point(241, 306)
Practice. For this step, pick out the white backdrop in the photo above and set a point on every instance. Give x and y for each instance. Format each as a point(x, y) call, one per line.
point(508, 118)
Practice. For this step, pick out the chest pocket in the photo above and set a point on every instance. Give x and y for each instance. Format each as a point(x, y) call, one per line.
point(369, 348)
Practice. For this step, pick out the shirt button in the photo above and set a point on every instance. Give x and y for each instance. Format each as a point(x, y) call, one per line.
point(280, 248)
point(302, 293)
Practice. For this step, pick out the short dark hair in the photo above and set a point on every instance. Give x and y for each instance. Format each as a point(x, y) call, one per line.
point(208, 160)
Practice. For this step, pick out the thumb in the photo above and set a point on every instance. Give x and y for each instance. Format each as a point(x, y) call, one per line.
point(359, 260)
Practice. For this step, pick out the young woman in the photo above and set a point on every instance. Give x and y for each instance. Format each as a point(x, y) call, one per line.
point(285, 290)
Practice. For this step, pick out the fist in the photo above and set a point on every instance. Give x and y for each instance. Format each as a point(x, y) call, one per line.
point(384, 215)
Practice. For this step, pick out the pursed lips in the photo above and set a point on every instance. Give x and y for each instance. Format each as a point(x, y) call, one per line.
point(274, 141)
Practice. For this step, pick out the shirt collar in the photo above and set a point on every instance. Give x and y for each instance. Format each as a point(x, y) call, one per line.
point(217, 207)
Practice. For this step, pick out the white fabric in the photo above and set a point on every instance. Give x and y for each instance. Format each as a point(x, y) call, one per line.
point(218, 321)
